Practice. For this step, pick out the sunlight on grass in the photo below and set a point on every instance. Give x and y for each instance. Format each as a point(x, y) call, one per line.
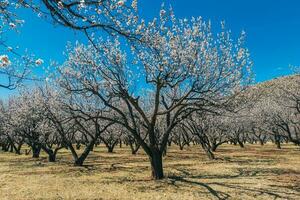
point(252, 173)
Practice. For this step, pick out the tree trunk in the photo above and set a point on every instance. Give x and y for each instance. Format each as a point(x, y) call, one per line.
point(18, 149)
point(11, 149)
point(213, 147)
point(241, 144)
point(156, 165)
point(207, 150)
point(79, 161)
point(78, 146)
point(110, 149)
point(5, 147)
point(134, 149)
point(210, 154)
point(261, 142)
point(36, 151)
point(51, 153)
point(52, 157)
point(181, 147)
point(277, 142)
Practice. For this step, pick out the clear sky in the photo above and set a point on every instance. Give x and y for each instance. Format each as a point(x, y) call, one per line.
point(272, 27)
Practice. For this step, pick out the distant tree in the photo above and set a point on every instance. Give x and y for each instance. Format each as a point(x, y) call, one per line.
point(209, 130)
point(27, 121)
point(276, 114)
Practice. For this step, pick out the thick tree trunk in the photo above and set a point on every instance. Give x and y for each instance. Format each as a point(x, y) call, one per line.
point(52, 157)
point(36, 151)
point(213, 147)
point(79, 160)
point(51, 154)
point(110, 149)
point(156, 165)
point(5, 147)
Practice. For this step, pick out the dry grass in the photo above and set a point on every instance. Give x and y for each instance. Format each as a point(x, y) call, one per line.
point(251, 173)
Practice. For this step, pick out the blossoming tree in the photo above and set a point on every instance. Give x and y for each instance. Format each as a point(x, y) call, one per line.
point(182, 66)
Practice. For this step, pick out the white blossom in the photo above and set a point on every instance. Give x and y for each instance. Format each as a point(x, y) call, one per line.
point(39, 61)
point(121, 3)
point(12, 25)
point(4, 61)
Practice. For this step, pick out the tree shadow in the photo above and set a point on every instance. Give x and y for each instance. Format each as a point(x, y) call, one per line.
point(274, 192)
point(218, 194)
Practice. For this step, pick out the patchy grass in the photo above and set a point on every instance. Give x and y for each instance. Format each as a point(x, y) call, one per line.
point(252, 173)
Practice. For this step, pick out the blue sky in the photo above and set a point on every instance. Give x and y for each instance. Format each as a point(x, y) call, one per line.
point(272, 27)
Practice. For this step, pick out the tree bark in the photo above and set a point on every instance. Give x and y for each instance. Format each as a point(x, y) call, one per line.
point(156, 165)
point(52, 157)
point(79, 161)
point(36, 149)
point(110, 149)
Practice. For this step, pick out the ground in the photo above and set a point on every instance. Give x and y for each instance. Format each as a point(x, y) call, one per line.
point(254, 172)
